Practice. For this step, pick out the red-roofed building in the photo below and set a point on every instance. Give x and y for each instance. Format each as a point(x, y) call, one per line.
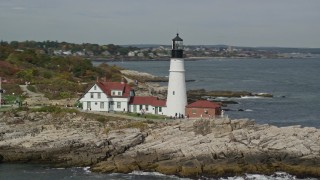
point(115, 89)
point(203, 108)
point(107, 96)
point(119, 96)
point(147, 104)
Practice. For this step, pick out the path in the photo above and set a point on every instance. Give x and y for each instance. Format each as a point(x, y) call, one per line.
point(33, 98)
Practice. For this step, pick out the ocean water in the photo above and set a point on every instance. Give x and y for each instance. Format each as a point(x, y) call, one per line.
point(43, 172)
point(295, 84)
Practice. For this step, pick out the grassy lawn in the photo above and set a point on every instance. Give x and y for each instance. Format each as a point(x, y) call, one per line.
point(11, 99)
point(5, 108)
point(146, 116)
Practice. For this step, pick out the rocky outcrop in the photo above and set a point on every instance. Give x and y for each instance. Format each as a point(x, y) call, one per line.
point(196, 94)
point(143, 76)
point(147, 84)
point(191, 148)
point(222, 147)
point(67, 139)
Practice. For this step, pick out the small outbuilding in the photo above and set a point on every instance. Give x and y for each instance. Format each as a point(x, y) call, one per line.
point(147, 104)
point(203, 108)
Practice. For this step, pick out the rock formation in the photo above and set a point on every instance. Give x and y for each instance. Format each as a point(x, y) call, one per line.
point(191, 148)
point(222, 147)
point(67, 139)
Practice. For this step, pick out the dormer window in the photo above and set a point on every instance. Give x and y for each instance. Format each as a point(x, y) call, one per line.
point(116, 93)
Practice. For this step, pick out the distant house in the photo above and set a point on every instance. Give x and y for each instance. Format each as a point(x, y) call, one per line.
point(120, 97)
point(203, 108)
point(106, 53)
point(147, 104)
point(140, 54)
point(67, 53)
point(57, 52)
point(151, 55)
point(131, 54)
point(79, 53)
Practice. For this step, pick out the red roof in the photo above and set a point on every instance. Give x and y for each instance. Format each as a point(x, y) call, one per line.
point(107, 87)
point(203, 104)
point(147, 100)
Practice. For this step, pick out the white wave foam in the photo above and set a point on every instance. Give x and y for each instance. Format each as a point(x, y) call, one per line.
point(142, 173)
point(146, 173)
point(87, 169)
point(251, 97)
point(275, 176)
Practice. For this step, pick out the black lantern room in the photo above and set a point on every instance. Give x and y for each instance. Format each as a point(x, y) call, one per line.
point(177, 47)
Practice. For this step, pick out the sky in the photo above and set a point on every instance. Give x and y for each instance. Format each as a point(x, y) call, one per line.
point(253, 23)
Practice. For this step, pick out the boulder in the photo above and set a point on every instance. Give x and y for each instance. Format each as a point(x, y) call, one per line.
point(168, 167)
point(190, 168)
point(125, 164)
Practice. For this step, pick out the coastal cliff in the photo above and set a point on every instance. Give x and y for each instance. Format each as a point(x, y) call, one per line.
point(190, 148)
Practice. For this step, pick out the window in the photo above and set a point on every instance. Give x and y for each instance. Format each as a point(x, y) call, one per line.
point(194, 111)
point(99, 95)
point(118, 105)
point(101, 105)
point(206, 111)
point(95, 103)
point(140, 107)
point(160, 109)
point(89, 105)
point(113, 93)
point(147, 107)
point(119, 93)
point(91, 95)
point(173, 93)
point(95, 87)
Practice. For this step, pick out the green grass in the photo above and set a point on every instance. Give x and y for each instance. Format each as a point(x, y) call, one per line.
point(146, 116)
point(54, 109)
point(5, 108)
point(11, 99)
point(32, 88)
point(137, 124)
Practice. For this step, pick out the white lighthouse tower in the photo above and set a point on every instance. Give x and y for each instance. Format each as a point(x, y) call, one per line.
point(177, 95)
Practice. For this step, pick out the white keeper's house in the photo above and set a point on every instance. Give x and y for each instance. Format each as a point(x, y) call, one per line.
point(120, 97)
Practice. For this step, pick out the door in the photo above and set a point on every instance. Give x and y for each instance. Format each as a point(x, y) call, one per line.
point(88, 105)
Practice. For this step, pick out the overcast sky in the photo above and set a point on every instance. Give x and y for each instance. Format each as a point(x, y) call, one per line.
point(285, 23)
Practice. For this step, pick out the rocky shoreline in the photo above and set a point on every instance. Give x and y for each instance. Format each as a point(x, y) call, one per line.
point(188, 148)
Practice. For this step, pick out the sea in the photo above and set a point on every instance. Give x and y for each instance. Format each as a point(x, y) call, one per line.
point(294, 84)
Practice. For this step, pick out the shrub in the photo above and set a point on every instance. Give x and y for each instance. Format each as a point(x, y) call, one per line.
point(47, 74)
point(202, 127)
point(54, 109)
point(32, 88)
point(137, 124)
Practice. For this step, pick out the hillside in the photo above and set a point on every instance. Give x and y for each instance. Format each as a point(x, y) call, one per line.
point(55, 76)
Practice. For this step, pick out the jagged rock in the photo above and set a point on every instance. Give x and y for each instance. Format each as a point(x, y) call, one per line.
point(185, 148)
point(31, 116)
point(191, 168)
point(168, 167)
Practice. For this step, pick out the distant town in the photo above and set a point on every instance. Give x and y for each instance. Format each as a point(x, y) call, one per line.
point(153, 52)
